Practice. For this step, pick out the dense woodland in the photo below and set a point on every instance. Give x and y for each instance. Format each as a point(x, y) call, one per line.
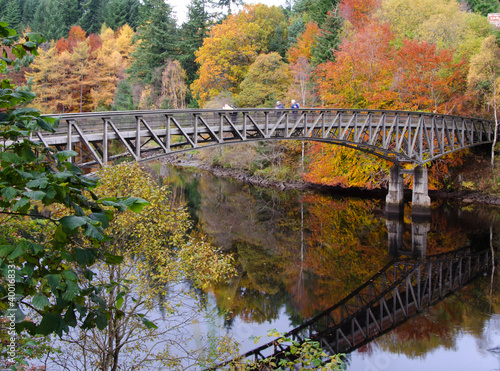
point(421, 55)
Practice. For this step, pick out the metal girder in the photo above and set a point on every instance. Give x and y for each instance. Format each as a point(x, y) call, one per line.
point(399, 136)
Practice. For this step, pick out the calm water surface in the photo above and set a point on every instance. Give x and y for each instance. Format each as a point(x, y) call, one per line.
point(298, 253)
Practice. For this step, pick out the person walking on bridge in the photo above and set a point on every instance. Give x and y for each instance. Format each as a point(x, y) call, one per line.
point(296, 106)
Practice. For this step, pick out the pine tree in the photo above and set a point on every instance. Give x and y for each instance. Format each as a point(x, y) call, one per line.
point(124, 98)
point(55, 27)
point(10, 12)
point(483, 6)
point(93, 16)
point(133, 10)
point(328, 40)
point(115, 14)
point(158, 39)
point(192, 34)
point(29, 9)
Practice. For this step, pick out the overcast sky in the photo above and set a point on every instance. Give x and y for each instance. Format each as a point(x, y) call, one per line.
point(180, 7)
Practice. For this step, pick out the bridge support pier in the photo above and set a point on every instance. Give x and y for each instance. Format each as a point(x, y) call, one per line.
point(394, 201)
point(421, 202)
point(395, 197)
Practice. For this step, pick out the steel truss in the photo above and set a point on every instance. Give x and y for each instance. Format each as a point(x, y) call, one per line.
point(398, 136)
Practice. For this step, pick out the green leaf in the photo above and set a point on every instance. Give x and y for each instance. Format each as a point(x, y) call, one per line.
point(20, 250)
point(100, 217)
point(35, 195)
point(135, 203)
point(69, 275)
point(41, 182)
point(53, 280)
point(84, 256)
point(112, 259)
point(5, 250)
point(93, 232)
point(9, 193)
point(50, 323)
point(73, 222)
point(40, 301)
point(72, 290)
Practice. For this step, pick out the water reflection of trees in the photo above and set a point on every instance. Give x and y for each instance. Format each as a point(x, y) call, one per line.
point(306, 265)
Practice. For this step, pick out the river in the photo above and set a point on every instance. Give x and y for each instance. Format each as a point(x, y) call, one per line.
point(298, 253)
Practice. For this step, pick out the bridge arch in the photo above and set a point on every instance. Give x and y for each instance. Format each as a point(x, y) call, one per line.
point(397, 136)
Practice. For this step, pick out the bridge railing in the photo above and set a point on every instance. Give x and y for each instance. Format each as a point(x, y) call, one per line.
point(395, 135)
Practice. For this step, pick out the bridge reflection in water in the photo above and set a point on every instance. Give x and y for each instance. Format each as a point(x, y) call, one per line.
point(402, 289)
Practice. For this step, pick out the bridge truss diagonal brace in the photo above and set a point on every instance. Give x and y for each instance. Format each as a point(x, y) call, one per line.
point(73, 125)
point(140, 120)
point(108, 123)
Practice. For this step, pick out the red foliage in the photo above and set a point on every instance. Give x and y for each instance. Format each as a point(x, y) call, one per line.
point(62, 45)
point(358, 12)
point(95, 42)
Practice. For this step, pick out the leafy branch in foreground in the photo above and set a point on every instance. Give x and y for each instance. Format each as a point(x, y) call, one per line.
point(35, 252)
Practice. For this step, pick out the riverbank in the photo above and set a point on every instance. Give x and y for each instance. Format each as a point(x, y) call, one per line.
point(473, 183)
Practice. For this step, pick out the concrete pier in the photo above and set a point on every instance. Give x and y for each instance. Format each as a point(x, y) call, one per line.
point(394, 200)
point(421, 202)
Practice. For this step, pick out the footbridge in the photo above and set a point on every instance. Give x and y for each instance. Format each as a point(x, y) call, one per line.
point(398, 136)
point(399, 291)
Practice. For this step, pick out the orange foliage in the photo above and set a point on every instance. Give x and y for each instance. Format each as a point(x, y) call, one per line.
point(340, 166)
point(62, 45)
point(429, 79)
point(304, 45)
point(358, 12)
point(76, 34)
point(95, 42)
point(362, 75)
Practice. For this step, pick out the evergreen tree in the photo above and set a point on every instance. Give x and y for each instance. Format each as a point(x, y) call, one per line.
point(192, 34)
point(115, 14)
point(316, 9)
point(71, 14)
point(93, 16)
point(158, 39)
point(10, 12)
point(133, 10)
point(28, 12)
point(483, 6)
point(39, 18)
point(124, 98)
point(328, 40)
point(55, 27)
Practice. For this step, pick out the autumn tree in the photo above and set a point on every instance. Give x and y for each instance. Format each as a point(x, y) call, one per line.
point(339, 166)
point(232, 47)
point(358, 12)
point(299, 57)
point(428, 20)
point(158, 254)
point(362, 74)
point(484, 80)
point(429, 79)
point(266, 81)
point(37, 256)
point(173, 87)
